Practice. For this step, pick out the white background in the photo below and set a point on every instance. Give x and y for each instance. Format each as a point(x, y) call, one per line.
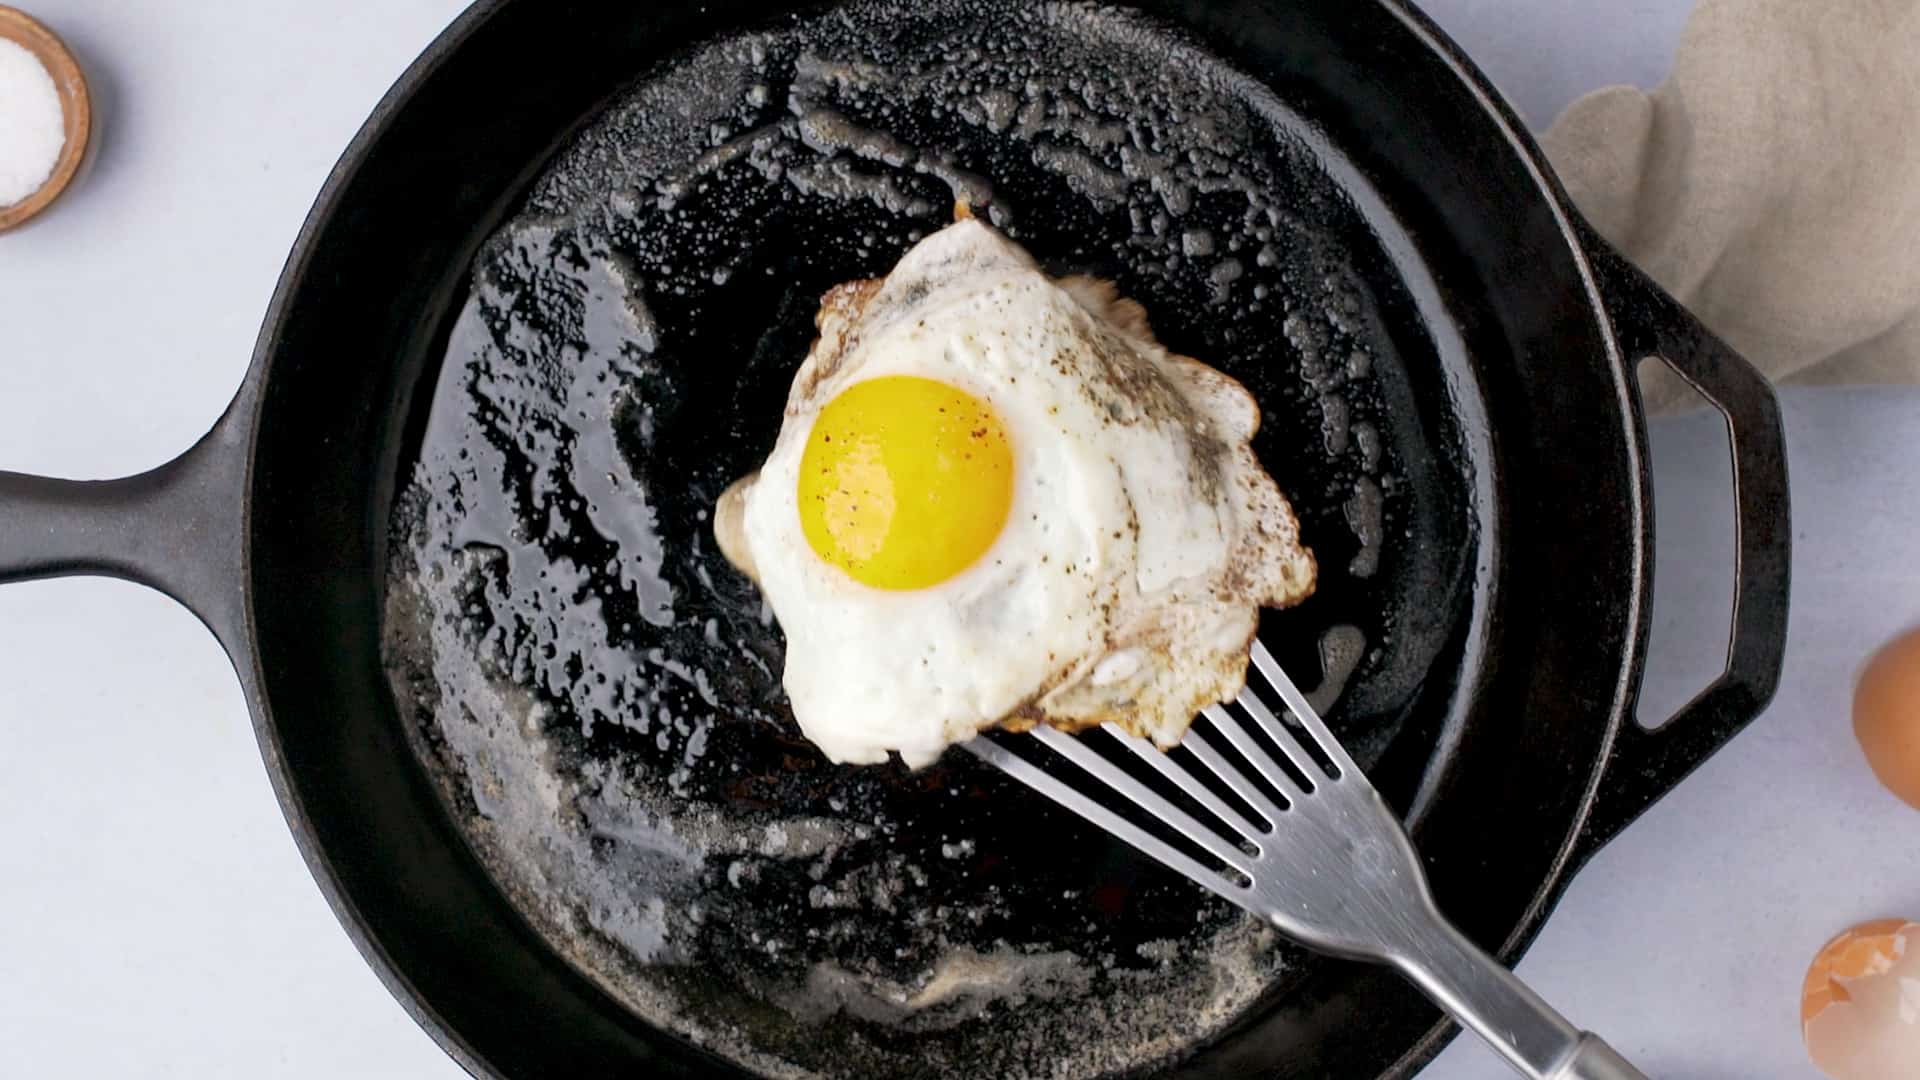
point(155, 920)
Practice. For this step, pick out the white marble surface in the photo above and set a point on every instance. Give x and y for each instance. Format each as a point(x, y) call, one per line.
point(155, 920)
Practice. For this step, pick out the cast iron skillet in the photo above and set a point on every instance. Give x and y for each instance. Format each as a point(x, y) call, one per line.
point(273, 529)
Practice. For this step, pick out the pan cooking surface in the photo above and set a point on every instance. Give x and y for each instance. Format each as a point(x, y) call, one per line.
point(597, 691)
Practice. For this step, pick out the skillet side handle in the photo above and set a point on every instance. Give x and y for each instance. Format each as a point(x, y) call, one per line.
point(176, 528)
point(1643, 765)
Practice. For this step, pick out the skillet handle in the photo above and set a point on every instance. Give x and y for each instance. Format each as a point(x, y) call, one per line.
point(175, 528)
point(1643, 765)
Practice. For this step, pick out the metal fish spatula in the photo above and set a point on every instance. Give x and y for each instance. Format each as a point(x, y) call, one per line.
point(1278, 819)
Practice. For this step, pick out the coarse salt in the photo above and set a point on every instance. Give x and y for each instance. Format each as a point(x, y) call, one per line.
point(32, 123)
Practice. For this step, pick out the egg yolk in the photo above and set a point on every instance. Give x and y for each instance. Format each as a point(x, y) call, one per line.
point(905, 481)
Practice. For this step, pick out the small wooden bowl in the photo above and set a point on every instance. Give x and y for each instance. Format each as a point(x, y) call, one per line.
point(75, 106)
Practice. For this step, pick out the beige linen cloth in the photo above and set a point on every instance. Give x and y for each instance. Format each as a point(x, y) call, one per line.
point(1772, 183)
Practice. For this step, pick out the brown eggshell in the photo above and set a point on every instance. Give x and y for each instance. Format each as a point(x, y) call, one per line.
point(1860, 1004)
point(1886, 716)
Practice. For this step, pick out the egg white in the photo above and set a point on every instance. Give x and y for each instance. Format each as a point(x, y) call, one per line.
point(1141, 540)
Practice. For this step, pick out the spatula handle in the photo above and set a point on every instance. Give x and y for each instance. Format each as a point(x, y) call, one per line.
point(1595, 1060)
point(1493, 1003)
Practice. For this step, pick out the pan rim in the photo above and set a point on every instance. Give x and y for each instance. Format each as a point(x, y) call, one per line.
point(248, 407)
point(1514, 134)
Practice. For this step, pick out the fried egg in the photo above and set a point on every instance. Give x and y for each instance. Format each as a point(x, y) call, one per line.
point(995, 499)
